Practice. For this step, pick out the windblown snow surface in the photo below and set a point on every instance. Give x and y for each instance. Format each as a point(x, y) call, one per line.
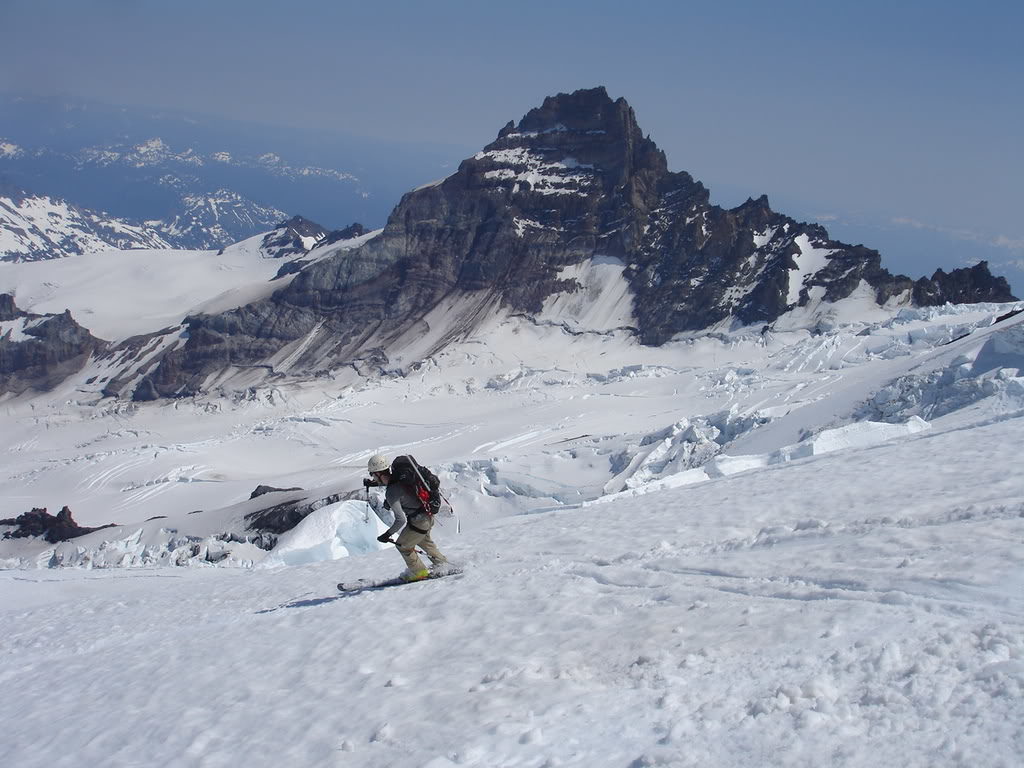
point(740, 549)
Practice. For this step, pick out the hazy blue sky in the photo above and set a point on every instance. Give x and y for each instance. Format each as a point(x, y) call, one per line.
point(899, 124)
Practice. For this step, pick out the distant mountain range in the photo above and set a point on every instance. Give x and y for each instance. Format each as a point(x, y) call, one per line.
point(37, 227)
point(186, 198)
point(200, 182)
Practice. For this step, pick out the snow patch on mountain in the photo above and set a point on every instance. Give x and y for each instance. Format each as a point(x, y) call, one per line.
point(809, 262)
point(14, 330)
point(529, 169)
point(601, 299)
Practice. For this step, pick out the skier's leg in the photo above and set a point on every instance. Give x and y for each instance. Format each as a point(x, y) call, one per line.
point(431, 551)
point(406, 544)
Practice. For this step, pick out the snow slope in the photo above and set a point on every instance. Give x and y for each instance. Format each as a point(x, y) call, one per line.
point(795, 615)
point(792, 548)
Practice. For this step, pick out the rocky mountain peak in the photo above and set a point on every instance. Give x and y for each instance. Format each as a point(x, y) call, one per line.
point(303, 227)
point(581, 141)
point(962, 286)
point(293, 237)
point(573, 182)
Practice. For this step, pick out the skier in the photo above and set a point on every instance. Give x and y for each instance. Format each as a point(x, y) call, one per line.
point(409, 512)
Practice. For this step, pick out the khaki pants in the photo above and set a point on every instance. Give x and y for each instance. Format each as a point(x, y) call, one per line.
point(409, 539)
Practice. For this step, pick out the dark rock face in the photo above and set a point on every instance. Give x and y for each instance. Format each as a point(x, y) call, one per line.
point(962, 286)
point(8, 309)
point(45, 351)
point(348, 233)
point(574, 179)
point(39, 522)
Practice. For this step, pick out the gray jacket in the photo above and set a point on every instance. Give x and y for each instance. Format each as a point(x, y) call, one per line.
point(404, 504)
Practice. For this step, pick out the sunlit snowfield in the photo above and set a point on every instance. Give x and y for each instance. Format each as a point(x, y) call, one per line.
point(793, 548)
point(847, 609)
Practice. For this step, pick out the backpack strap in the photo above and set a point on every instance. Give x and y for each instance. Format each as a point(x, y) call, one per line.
point(425, 502)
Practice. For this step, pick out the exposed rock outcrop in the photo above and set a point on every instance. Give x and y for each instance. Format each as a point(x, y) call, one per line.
point(292, 237)
point(962, 286)
point(351, 231)
point(284, 516)
point(39, 351)
point(8, 309)
point(39, 522)
point(264, 489)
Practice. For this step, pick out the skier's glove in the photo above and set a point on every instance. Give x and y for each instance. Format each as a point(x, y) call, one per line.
point(384, 539)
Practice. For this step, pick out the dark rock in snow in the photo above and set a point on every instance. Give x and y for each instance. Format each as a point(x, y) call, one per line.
point(290, 268)
point(286, 515)
point(262, 489)
point(39, 522)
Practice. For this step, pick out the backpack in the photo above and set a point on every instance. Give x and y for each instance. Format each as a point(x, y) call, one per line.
point(419, 481)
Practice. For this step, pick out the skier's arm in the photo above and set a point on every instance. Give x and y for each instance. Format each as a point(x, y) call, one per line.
point(394, 499)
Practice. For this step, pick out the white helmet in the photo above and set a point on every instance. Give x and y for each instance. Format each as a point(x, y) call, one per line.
point(378, 463)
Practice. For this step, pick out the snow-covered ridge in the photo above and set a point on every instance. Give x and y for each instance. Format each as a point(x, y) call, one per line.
point(39, 227)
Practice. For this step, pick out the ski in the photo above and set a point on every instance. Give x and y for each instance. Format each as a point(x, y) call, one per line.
point(368, 585)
